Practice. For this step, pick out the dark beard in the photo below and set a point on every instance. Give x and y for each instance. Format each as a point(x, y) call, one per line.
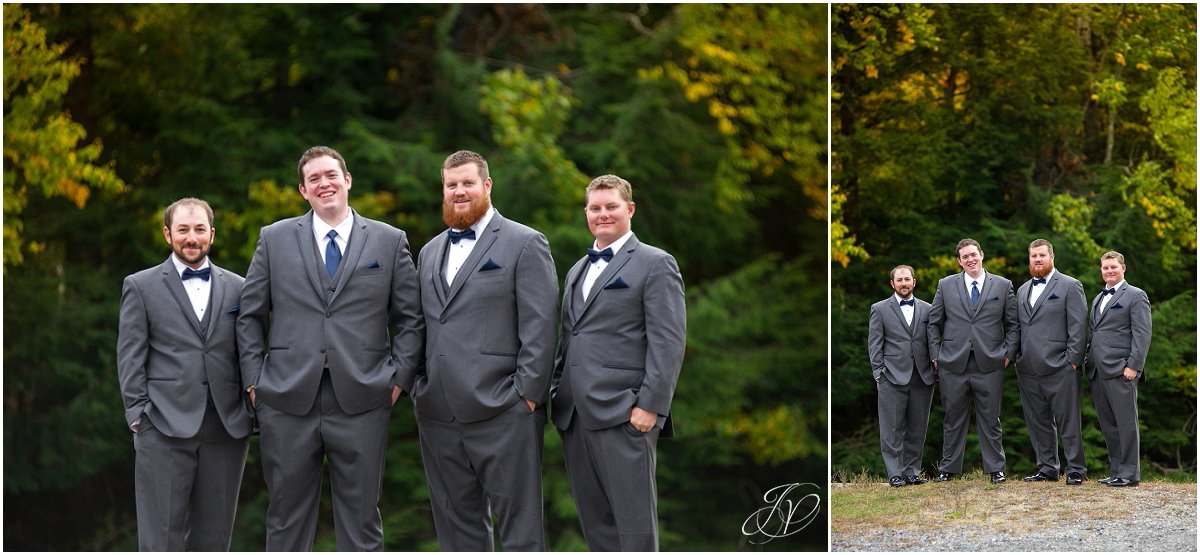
point(463, 221)
point(1041, 274)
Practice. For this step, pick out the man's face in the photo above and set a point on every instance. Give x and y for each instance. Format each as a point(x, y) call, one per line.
point(465, 196)
point(326, 187)
point(190, 236)
point(608, 215)
point(903, 283)
point(971, 259)
point(1040, 261)
point(1112, 271)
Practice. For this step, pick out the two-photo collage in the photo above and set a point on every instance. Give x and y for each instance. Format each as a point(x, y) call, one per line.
point(805, 277)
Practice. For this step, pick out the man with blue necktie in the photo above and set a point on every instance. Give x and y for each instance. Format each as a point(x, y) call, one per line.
point(898, 344)
point(177, 362)
point(1116, 362)
point(973, 335)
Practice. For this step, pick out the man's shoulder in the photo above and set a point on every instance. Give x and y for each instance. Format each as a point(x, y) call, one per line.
point(280, 226)
point(141, 276)
point(512, 228)
point(229, 274)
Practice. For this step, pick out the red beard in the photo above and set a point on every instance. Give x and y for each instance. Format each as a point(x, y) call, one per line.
point(1045, 271)
point(466, 219)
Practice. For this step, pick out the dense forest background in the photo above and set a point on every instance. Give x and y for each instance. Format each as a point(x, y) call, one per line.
point(715, 113)
point(1005, 123)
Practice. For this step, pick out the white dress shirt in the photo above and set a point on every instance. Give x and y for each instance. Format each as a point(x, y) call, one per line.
point(1035, 290)
point(905, 309)
point(1104, 301)
point(197, 289)
point(596, 268)
point(457, 255)
point(970, 279)
point(321, 231)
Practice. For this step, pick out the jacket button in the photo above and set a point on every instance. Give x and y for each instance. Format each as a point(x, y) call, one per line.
point(574, 333)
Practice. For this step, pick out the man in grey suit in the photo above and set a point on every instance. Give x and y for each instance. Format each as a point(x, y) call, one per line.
point(624, 323)
point(1052, 313)
point(320, 293)
point(973, 335)
point(1115, 363)
point(178, 366)
point(898, 344)
point(488, 292)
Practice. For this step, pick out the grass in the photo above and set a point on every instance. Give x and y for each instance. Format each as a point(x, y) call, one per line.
point(863, 503)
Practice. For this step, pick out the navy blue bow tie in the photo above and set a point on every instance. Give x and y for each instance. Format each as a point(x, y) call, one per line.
point(455, 236)
point(1108, 291)
point(189, 273)
point(1039, 281)
point(594, 255)
point(910, 302)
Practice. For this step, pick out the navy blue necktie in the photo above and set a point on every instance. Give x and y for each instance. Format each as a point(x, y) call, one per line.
point(974, 292)
point(1102, 293)
point(1039, 281)
point(910, 302)
point(456, 236)
point(333, 255)
point(594, 255)
point(189, 273)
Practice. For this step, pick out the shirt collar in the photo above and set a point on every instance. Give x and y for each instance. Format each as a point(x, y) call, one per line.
point(343, 228)
point(1115, 287)
point(968, 279)
point(180, 266)
point(898, 299)
point(482, 223)
point(616, 245)
point(1048, 276)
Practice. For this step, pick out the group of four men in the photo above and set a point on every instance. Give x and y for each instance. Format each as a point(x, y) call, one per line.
point(334, 322)
point(966, 338)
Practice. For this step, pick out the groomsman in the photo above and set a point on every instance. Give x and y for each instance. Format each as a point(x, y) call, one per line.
point(1116, 361)
point(973, 335)
point(177, 362)
point(1052, 312)
point(898, 344)
point(620, 350)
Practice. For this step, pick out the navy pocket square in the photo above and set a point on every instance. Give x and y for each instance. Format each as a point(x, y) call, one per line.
point(618, 284)
point(995, 298)
point(233, 309)
point(1052, 297)
point(374, 264)
point(1117, 305)
point(489, 265)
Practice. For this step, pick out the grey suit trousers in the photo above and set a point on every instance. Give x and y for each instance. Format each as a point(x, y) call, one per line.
point(187, 489)
point(494, 463)
point(1051, 406)
point(293, 449)
point(611, 474)
point(959, 391)
point(1116, 407)
point(903, 421)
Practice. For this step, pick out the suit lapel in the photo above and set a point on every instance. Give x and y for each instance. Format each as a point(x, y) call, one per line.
point(620, 259)
point(354, 250)
point(1049, 291)
point(488, 238)
point(899, 312)
point(1096, 308)
point(1023, 296)
point(964, 289)
point(1113, 301)
point(571, 293)
point(216, 300)
point(440, 244)
point(309, 260)
point(175, 285)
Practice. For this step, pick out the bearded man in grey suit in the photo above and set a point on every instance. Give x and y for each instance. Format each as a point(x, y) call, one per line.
point(321, 292)
point(1116, 362)
point(973, 335)
point(621, 347)
point(898, 344)
point(178, 367)
point(489, 293)
point(1053, 315)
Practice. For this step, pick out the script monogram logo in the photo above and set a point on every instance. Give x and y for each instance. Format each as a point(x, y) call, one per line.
point(783, 514)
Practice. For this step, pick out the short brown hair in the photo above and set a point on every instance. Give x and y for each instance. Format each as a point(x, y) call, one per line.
point(466, 157)
point(966, 243)
point(317, 152)
point(169, 213)
point(911, 272)
point(1042, 243)
point(610, 181)
point(1120, 258)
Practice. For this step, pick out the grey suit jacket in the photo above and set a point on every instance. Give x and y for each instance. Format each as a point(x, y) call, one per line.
point(624, 346)
point(489, 335)
point(1120, 336)
point(1053, 330)
point(895, 347)
point(167, 362)
point(956, 328)
point(310, 322)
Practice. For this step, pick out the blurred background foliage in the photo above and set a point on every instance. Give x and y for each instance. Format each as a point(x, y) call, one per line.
point(715, 113)
point(1005, 123)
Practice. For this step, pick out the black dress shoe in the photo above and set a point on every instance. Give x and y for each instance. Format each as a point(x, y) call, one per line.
point(1074, 479)
point(896, 481)
point(1122, 483)
point(1105, 480)
point(1040, 476)
point(914, 481)
point(998, 477)
point(943, 477)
